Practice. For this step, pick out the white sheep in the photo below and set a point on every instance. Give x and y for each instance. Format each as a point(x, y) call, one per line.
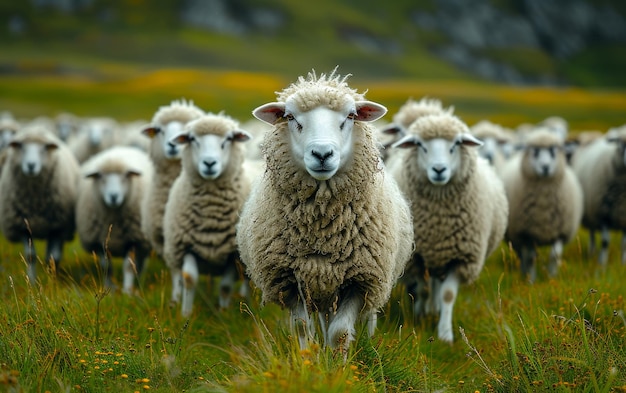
point(325, 229)
point(493, 137)
point(557, 125)
point(95, 135)
point(167, 122)
point(38, 189)
point(8, 128)
point(108, 215)
point(405, 116)
point(66, 125)
point(203, 207)
point(601, 168)
point(545, 200)
point(459, 212)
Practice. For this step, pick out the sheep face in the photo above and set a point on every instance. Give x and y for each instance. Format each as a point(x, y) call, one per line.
point(97, 131)
point(489, 149)
point(321, 139)
point(33, 156)
point(439, 158)
point(542, 161)
point(620, 145)
point(164, 136)
point(113, 187)
point(5, 137)
point(210, 153)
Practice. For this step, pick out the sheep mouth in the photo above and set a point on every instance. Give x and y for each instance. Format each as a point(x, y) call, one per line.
point(321, 173)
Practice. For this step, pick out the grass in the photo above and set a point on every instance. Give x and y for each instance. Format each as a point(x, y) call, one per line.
point(66, 333)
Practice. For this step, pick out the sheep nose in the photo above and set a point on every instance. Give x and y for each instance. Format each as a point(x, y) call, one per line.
point(439, 169)
point(545, 170)
point(322, 156)
point(113, 198)
point(209, 164)
point(30, 166)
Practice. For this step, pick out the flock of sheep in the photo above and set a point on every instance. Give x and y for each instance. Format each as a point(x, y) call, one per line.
point(324, 212)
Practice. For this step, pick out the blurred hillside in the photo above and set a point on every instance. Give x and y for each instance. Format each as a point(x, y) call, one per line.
point(557, 42)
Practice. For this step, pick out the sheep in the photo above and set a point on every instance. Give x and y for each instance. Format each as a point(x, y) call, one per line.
point(601, 169)
point(545, 201)
point(66, 125)
point(8, 128)
point(203, 207)
point(459, 210)
point(95, 135)
point(167, 122)
point(325, 229)
point(493, 137)
point(555, 124)
point(108, 215)
point(580, 139)
point(38, 189)
point(406, 115)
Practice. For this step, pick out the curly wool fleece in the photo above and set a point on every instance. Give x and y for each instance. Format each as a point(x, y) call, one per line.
point(323, 239)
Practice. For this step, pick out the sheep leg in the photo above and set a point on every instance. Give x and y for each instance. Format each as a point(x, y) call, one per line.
point(226, 285)
point(447, 295)
point(528, 268)
point(592, 242)
point(322, 319)
point(177, 285)
point(341, 330)
point(133, 269)
point(29, 256)
point(433, 306)
point(555, 258)
point(422, 301)
point(190, 276)
point(301, 323)
point(244, 289)
point(604, 250)
point(106, 271)
point(54, 252)
point(371, 323)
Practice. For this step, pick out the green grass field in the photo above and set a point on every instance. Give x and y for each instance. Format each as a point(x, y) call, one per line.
point(65, 333)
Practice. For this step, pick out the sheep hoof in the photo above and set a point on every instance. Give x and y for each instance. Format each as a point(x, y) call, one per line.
point(446, 336)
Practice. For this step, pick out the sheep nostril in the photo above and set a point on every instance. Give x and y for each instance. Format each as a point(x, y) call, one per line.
point(209, 164)
point(439, 169)
point(322, 156)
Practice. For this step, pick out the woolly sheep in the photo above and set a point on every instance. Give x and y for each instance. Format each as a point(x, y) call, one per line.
point(8, 128)
point(38, 189)
point(601, 168)
point(95, 135)
point(545, 200)
point(167, 122)
point(459, 212)
point(491, 135)
point(203, 207)
point(66, 125)
point(555, 124)
point(325, 229)
point(108, 216)
point(406, 115)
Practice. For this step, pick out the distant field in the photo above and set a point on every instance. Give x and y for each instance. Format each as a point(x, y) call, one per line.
point(128, 93)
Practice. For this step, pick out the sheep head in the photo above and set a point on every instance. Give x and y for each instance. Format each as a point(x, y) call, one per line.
point(321, 138)
point(162, 135)
point(209, 141)
point(33, 155)
point(113, 186)
point(439, 142)
point(544, 155)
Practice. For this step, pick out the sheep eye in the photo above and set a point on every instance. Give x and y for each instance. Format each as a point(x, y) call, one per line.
point(290, 117)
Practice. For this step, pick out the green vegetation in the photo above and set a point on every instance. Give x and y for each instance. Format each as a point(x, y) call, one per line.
point(66, 333)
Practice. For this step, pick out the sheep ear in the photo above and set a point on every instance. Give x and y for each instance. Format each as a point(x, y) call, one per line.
point(369, 111)
point(470, 140)
point(270, 113)
point(181, 139)
point(151, 132)
point(15, 144)
point(93, 175)
point(391, 129)
point(407, 141)
point(51, 146)
point(241, 136)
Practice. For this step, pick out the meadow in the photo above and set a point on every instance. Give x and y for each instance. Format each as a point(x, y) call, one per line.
point(67, 333)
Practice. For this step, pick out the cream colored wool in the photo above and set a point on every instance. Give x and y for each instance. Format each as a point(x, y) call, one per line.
point(46, 201)
point(543, 210)
point(456, 225)
point(601, 171)
point(201, 215)
point(165, 171)
point(119, 228)
point(350, 234)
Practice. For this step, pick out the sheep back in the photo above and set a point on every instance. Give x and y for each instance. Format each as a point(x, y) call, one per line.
point(46, 201)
